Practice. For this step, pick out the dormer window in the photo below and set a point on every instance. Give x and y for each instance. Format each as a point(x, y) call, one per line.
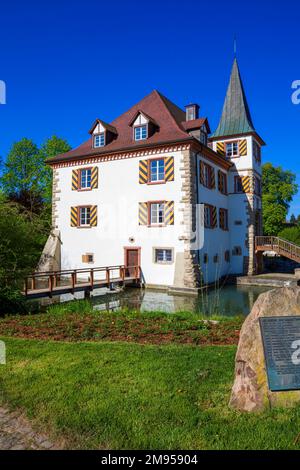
point(99, 140)
point(140, 132)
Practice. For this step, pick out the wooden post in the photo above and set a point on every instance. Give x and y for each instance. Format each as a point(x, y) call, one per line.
point(73, 277)
point(50, 284)
point(107, 276)
point(33, 283)
point(92, 278)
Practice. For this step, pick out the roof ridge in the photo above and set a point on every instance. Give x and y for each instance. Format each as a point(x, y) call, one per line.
point(168, 102)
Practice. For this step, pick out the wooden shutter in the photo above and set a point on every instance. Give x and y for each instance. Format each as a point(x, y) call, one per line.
point(212, 178)
point(169, 169)
point(93, 221)
point(214, 217)
point(221, 148)
point(243, 147)
point(202, 175)
point(143, 171)
point(220, 181)
point(75, 178)
point(169, 213)
point(246, 184)
point(221, 218)
point(94, 181)
point(143, 213)
point(74, 216)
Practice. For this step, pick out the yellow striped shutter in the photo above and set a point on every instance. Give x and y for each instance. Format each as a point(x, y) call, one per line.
point(246, 184)
point(212, 178)
point(201, 172)
point(143, 213)
point(169, 213)
point(243, 147)
point(169, 169)
point(75, 180)
point(143, 171)
point(74, 216)
point(214, 217)
point(221, 148)
point(93, 221)
point(94, 181)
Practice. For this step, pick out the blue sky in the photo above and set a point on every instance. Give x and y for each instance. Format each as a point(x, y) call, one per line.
point(66, 63)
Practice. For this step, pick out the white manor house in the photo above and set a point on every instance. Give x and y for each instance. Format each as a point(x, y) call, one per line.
point(131, 194)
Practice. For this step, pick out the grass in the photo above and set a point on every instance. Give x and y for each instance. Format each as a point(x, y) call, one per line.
point(130, 396)
point(77, 321)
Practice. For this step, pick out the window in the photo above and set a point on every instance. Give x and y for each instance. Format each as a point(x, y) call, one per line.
point(227, 256)
point(209, 216)
point(207, 175)
point(223, 217)
point(157, 170)
point(85, 178)
point(84, 216)
point(257, 186)
point(140, 132)
point(88, 258)
point(163, 255)
point(157, 213)
point(99, 140)
point(237, 251)
point(216, 258)
point(238, 185)
point(203, 137)
point(232, 149)
point(256, 152)
point(222, 182)
point(205, 258)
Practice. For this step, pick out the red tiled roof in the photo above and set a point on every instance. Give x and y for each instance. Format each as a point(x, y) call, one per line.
point(163, 112)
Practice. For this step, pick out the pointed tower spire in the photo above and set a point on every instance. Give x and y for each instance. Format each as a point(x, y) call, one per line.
point(236, 118)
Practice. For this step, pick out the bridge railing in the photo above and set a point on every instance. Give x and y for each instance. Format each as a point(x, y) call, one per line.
point(281, 246)
point(73, 278)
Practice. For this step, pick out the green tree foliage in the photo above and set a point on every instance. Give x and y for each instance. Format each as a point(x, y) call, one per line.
point(291, 234)
point(278, 187)
point(293, 219)
point(22, 237)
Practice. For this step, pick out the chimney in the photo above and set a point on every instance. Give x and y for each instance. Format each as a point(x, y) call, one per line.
point(191, 112)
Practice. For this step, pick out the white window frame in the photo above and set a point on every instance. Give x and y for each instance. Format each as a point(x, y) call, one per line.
point(157, 212)
point(156, 171)
point(141, 136)
point(86, 217)
point(230, 152)
point(164, 259)
point(99, 140)
point(87, 179)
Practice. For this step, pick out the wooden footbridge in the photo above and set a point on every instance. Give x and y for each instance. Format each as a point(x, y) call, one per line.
point(278, 245)
point(47, 284)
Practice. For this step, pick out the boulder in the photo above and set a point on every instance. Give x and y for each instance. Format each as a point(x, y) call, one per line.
point(250, 390)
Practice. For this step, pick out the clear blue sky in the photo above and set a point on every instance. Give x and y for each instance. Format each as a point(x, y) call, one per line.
point(66, 63)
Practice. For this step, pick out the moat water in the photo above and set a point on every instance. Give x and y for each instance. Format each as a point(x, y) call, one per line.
point(230, 300)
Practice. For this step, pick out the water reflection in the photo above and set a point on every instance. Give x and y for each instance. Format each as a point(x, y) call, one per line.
point(229, 301)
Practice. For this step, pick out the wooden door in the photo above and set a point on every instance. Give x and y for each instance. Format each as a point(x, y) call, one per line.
point(132, 261)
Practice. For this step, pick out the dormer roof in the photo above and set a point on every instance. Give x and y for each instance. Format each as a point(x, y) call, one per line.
point(146, 116)
point(108, 127)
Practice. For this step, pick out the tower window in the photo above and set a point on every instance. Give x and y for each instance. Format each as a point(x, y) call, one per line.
point(140, 132)
point(232, 149)
point(238, 185)
point(99, 140)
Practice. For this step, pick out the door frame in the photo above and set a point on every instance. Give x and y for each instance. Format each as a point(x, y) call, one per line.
point(136, 248)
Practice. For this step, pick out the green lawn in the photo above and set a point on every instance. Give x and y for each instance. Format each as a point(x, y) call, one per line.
point(117, 395)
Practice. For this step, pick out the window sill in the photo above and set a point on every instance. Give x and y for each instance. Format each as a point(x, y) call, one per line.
point(156, 225)
point(84, 189)
point(84, 226)
point(156, 182)
point(163, 262)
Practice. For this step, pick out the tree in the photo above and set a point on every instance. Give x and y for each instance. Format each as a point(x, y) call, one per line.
point(293, 219)
point(291, 234)
point(278, 187)
point(51, 147)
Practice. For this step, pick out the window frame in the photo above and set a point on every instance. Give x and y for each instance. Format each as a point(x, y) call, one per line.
point(232, 142)
point(79, 224)
point(237, 179)
point(149, 171)
point(210, 208)
point(164, 262)
point(140, 126)
point(224, 186)
point(99, 134)
point(207, 175)
point(224, 226)
point(87, 188)
point(150, 204)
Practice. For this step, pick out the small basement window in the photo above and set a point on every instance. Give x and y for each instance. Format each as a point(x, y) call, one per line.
point(163, 255)
point(99, 140)
point(140, 132)
point(237, 251)
point(88, 258)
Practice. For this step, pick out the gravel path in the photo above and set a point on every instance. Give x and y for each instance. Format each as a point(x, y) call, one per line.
point(16, 433)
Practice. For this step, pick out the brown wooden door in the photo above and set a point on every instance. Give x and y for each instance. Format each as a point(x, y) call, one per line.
point(131, 261)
